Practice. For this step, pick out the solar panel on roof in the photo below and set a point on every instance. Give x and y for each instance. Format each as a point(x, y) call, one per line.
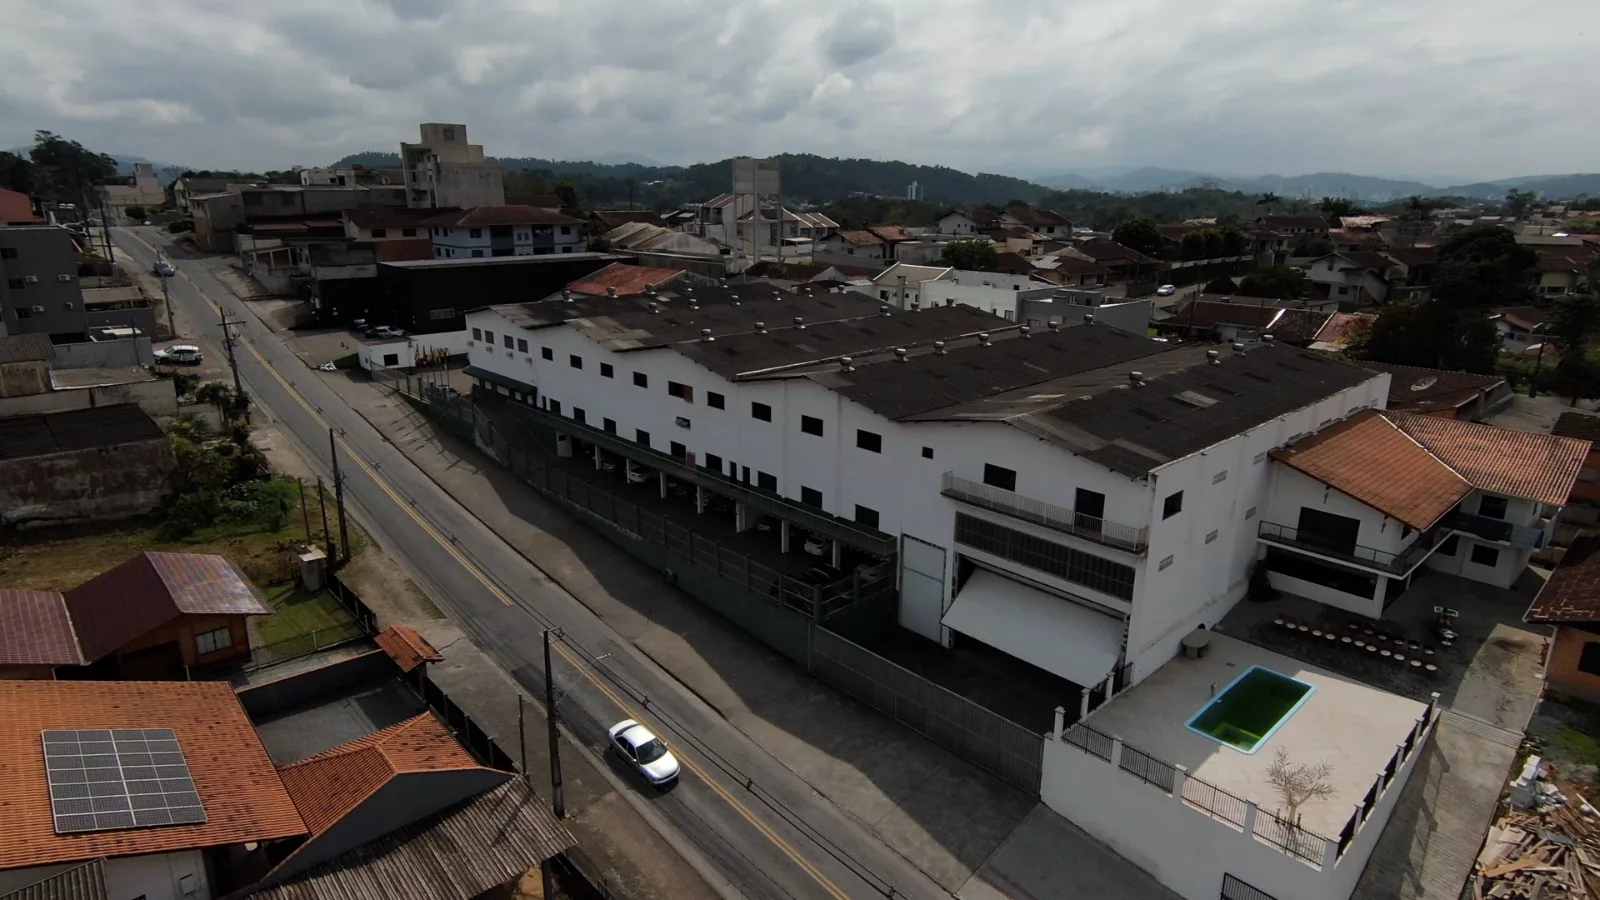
point(105, 779)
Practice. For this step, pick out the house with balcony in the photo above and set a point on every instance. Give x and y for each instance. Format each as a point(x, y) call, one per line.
point(1358, 508)
point(490, 231)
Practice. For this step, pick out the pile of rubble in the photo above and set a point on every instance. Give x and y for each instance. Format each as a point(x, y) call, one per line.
point(1547, 847)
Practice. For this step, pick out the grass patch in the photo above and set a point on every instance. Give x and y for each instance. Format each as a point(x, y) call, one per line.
point(297, 612)
point(1574, 746)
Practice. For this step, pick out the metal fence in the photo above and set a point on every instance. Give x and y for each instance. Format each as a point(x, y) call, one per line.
point(1234, 889)
point(1094, 743)
point(1290, 837)
point(1147, 768)
point(983, 738)
point(314, 641)
point(1215, 802)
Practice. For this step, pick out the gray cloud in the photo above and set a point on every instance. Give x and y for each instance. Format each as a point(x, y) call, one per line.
point(1472, 87)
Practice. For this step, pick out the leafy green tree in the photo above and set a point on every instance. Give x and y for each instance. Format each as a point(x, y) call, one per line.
point(1432, 334)
point(66, 171)
point(1140, 234)
point(1482, 266)
point(1192, 245)
point(1232, 242)
point(1517, 202)
point(1419, 208)
point(1575, 321)
point(16, 173)
point(135, 212)
point(567, 194)
point(973, 255)
point(1269, 201)
point(1276, 282)
point(1336, 207)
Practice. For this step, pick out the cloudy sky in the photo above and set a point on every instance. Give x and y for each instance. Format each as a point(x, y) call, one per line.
point(1418, 88)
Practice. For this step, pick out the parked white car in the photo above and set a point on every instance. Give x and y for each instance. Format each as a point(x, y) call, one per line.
point(639, 474)
point(816, 546)
point(1166, 290)
point(180, 355)
point(644, 752)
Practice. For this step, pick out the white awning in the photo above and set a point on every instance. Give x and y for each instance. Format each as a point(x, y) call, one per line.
point(1057, 635)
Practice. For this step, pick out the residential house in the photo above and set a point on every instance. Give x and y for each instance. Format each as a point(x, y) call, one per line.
point(140, 189)
point(318, 175)
point(443, 170)
point(1565, 271)
point(625, 280)
point(391, 224)
point(726, 220)
point(1569, 603)
point(1071, 271)
point(1125, 264)
point(999, 293)
point(108, 462)
point(900, 284)
point(790, 275)
point(1295, 226)
point(1245, 319)
point(968, 222)
point(1042, 222)
point(1446, 395)
point(186, 836)
point(1583, 427)
point(274, 211)
point(1354, 277)
point(491, 231)
point(1414, 271)
point(158, 615)
point(607, 219)
point(859, 247)
point(31, 384)
point(187, 187)
point(16, 208)
point(642, 237)
point(1520, 327)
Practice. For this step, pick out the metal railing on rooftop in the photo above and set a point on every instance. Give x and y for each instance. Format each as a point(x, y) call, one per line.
point(1048, 515)
point(1521, 536)
point(1366, 557)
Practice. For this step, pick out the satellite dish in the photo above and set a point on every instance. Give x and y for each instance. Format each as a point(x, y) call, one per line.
point(1425, 383)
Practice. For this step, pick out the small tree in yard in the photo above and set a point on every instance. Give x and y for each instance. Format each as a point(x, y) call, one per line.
point(973, 256)
point(1298, 783)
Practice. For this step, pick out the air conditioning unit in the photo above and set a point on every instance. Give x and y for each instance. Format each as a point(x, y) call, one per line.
point(63, 277)
point(68, 304)
point(38, 309)
point(30, 279)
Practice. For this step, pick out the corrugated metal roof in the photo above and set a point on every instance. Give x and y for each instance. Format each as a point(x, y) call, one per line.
point(152, 589)
point(85, 882)
point(453, 855)
point(79, 429)
point(35, 630)
point(26, 348)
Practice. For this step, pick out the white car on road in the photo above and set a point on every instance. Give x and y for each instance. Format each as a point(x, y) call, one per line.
point(1166, 290)
point(644, 752)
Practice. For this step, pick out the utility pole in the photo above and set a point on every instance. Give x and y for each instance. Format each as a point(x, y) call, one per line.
point(327, 535)
point(338, 495)
point(233, 360)
point(305, 512)
point(557, 799)
point(166, 300)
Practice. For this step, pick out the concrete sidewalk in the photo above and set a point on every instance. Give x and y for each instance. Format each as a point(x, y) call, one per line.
point(942, 814)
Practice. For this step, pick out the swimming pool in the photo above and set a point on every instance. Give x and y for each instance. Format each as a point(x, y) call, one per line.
point(1245, 714)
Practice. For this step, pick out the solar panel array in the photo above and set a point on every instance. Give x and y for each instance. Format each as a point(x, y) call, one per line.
point(104, 779)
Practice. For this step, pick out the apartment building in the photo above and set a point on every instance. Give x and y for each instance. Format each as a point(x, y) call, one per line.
point(39, 289)
point(443, 169)
point(489, 231)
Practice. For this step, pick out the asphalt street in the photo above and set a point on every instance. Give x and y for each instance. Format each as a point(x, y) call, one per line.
point(764, 829)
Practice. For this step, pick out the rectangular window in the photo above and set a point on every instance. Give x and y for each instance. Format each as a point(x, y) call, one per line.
point(509, 342)
point(1211, 536)
point(679, 450)
point(1220, 477)
point(546, 353)
point(682, 391)
point(766, 482)
point(640, 379)
point(1166, 561)
point(477, 254)
point(1589, 658)
point(212, 641)
point(1172, 505)
point(475, 232)
point(555, 405)
point(927, 453)
point(1492, 506)
point(522, 345)
point(606, 371)
point(866, 516)
point(716, 400)
point(999, 476)
point(380, 232)
point(575, 361)
point(408, 232)
point(1448, 548)
point(810, 496)
point(641, 437)
point(761, 411)
point(16, 284)
point(8, 253)
point(609, 426)
point(870, 441)
point(1485, 556)
point(811, 425)
point(713, 463)
point(577, 415)
point(477, 334)
point(1335, 533)
point(488, 337)
point(1076, 566)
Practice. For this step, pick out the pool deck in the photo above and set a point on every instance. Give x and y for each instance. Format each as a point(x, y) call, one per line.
point(1350, 725)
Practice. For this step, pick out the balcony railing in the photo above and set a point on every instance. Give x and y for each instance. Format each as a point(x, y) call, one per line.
point(1048, 515)
point(1366, 557)
point(1519, 536)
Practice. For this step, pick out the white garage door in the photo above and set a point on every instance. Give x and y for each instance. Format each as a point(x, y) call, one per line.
point(921, 587)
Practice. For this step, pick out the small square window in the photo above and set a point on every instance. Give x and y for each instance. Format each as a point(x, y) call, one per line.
point(679, 450)
point(380, 232)
point(761, 411)
point(866, 516)
point(810, 496)
point(1172, 505)
point(640, 379)
point(999, 476)
point(713, 463)
point(212, 641)
point(577, 415)
point(766, 482)
point(641, 437)
point(1589, 657)
point(508, 341)
point(1448, 548)
point(606, 371)
point(716, 400)
point(1166, 562)
point(546, 353)
point(927, 453)
point(1485, 556)
point(554, 405)
point(682, 391)
point(609, 426)
point(522, 345)
point(1493, 506)
point(477, 334)
point(475, 232)
point(868, 440)
point(811, 425)
point(575, 361)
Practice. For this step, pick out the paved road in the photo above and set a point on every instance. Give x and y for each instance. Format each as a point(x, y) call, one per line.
point(756, 822)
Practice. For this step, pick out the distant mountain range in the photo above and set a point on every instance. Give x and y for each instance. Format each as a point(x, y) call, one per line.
point(1323, 184)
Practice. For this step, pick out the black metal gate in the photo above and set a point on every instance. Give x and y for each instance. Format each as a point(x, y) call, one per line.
point(1234, 889)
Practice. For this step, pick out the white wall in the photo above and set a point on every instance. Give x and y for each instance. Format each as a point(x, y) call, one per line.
point(180, 876)
point(1293, 490)
point(373, 356)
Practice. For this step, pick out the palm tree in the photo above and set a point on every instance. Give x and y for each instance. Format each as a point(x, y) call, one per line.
point(1336, 207)
point(1419, 208)
point(1268, 200)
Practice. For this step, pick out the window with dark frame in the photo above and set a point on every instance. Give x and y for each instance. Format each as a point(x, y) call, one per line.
point(578, 416)
point(640, 379)
point(606, 371)
point(766, 482)
point(714, 463)
point(1000, 477)
point(509, 342)
point(679, 450)
point(682, 391)
point(1076, 566)
point(641, 437)
point(546, 353)
point(575, 361)
point(866, 516)
point(522, 345)
point(927, 453)
point(1493, 506)
point(811, 496)
point(555, 405)
point(609, 426)
point(1172, 505)
point(1485, 556)
point(869, 441)
point(1589, 658)
point(761, 411)
point(716, 400)
point(811, 425)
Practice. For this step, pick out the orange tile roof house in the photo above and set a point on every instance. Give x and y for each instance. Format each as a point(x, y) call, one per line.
point(1583, 427)
point(202, 765)
point(623, 280)
point(1569, 602)
point(158, 615)
point(1358, 507)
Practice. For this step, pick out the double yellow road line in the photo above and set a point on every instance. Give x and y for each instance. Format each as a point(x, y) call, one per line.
point(578, 664)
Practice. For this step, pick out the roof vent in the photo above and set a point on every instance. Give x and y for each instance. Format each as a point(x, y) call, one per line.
point(884, 309)
point(655, 307)
point(1088, 318)
point(705, 335)
point(900, 354)
point(846, 364)
point(761, 328)
point(1027, 330)
point(799, 322)
point(983, 339)
point(916, 304)
point(1214, 357)
point(1238, 348)
point(1267, 339)
point(938, 347)
point(611, 292)
point(1136, 379)
point(1055, 326)
point(566, 295)
point(688, 290)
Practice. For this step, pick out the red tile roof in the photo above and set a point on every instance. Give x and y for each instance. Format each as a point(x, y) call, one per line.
point(860, 238)
point(1516, 463)
point(891, 232)
point(501, 215)
point(406, 647)
point(1583, 426)
point(330, 785)
point(243, 797)
point(1572, 592)
point(1368, 458)
point(627, 279)
point(151, 590)
point(35, 630)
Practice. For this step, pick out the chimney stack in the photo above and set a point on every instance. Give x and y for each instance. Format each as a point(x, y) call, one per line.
point(1238, 348)
point(799, 323)
point(761, 328)
point(1055, 326)
point(884, 309)
point(1027, 330)
point(611, 292)
point(983, 339)
point(1267, 339)
point(655, 307)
